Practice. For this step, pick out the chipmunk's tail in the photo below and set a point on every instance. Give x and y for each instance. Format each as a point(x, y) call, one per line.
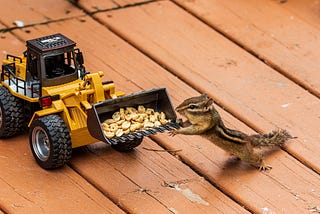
point(274, 138)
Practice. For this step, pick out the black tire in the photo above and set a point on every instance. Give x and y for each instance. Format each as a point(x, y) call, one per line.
point(128, 145)
point(50, 141)
point(11, 114)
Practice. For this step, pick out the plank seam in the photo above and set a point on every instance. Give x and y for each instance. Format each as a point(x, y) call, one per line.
point(303, 162)
point(10, 29)
point(146, 191)
point(2, 210)
point(97, 187)
point(118, 7)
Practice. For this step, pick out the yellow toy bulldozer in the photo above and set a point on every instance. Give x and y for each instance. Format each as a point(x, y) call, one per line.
point(48, 92)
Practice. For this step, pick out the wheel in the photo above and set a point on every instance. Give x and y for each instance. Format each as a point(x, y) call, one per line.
point(127, 146)
point(50, 141)
point(11, 114)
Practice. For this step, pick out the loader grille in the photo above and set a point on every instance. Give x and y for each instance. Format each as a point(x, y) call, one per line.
point(144, 133)
point(51, 42)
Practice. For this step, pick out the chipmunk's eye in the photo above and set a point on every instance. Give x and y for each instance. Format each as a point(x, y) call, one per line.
point(192, 106)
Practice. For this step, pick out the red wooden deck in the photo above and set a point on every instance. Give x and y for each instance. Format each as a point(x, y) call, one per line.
point(259, 60)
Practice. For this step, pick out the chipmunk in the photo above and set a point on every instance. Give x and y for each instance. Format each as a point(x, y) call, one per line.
point(204, 120)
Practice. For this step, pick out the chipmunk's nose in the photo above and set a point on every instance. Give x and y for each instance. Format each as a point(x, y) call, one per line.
point(178, 109)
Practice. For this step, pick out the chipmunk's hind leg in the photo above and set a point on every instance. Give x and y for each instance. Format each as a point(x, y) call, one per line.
point(263, 166)
point(252, 157)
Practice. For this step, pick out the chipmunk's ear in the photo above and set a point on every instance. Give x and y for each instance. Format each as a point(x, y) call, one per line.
point(204, 96)
point(209, 101)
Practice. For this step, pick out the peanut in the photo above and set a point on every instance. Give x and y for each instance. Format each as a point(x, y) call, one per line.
point(130, 119)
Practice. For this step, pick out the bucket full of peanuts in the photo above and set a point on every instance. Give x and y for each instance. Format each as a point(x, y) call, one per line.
point(124, 121)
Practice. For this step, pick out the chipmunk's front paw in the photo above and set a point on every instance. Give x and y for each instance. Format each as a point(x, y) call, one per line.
point(173, 132)
point(179, 121)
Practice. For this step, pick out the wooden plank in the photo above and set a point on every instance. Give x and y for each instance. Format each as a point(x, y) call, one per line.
point(35, 11)
point(272, 33)
point(9, 44)
point(96, 5)
point(248, 88)
point(133, 71)
point(128, 179)
point(26, 188)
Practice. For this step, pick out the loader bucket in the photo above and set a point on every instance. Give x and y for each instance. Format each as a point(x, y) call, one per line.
point(157, 99)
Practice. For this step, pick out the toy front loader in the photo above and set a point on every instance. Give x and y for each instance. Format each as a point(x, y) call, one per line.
point(47, 91)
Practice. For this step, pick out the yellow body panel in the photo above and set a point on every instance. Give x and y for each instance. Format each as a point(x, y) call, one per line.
point(81, 137)
point(21, 96)
point(74, 99)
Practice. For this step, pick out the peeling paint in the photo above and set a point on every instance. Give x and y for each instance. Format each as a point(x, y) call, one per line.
point(266, 210)
point(191, 196)
point(18, 23)
point(286, 105)
point(173, 210)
